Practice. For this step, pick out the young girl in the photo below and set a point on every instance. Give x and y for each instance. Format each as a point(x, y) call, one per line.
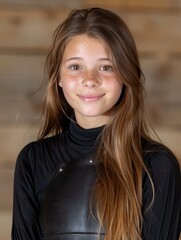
point(100, 176)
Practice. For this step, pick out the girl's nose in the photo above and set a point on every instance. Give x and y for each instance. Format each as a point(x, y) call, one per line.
point(91, 79)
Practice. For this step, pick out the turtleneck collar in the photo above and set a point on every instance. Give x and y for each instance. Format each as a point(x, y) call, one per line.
point(82, 136)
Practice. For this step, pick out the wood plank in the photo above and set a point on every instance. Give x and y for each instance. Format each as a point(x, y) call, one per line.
point(154, 32)
point(21, 71)
point(178, 3)
point(54, 4)
point(5, 223)
point(6, 188)
point(28, 28)
point(153, 4)
point(132, 3)
point(69, 4)
point(19, 107)
point(21, 78)
point(163, 90)
point(13, 137)
point(171, 138)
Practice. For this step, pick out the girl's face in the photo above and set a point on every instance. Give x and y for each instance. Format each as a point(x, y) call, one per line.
point(88, 80)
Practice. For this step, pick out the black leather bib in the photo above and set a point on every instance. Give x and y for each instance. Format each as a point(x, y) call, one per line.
point(65, 210)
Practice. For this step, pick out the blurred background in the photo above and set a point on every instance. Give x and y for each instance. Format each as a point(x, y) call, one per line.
point(26, 28)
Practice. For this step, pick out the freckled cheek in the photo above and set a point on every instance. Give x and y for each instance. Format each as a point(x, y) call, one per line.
point(69, 86)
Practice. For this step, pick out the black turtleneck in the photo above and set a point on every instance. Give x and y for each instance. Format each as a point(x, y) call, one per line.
point(54, 179)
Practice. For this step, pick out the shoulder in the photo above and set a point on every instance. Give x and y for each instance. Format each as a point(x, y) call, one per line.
point(25, 155)
point(35, 147)
point(158, 158)
point(39, 153)
point(38, 161)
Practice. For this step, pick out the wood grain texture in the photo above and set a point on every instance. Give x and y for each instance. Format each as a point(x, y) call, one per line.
point(133, 4)
point(53, 4)
point(21, 78)
point(32, 29)
point(28, 28)
point(154, 32)
point(163, 85)
point(69, 4)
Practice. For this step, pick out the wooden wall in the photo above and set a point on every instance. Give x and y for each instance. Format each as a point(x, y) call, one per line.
point(26, 29)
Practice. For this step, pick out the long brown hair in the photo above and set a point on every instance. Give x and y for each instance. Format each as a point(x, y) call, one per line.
point(118, 190)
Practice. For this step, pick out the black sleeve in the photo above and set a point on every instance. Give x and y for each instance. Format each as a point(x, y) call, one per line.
point(25, 223)
point(162, 220)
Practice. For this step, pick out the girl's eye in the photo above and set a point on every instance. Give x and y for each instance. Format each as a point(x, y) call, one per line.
point(107, 68)
point(75, 67)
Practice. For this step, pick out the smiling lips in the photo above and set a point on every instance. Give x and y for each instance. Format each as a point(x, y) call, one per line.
point(91, 98)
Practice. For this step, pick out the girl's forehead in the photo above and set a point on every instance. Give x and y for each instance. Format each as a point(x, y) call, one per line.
point(81, 41)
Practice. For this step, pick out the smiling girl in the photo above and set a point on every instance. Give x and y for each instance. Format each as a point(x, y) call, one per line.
point(89, 81)
point(100, 176)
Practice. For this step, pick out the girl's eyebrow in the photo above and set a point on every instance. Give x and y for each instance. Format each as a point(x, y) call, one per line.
point(104, 59)
point(74, 58)
point(79, 58)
